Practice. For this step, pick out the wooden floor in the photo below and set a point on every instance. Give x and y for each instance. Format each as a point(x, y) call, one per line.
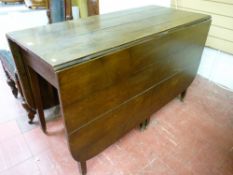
point(194, 137)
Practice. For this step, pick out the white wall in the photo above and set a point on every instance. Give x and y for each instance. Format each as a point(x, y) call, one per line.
point(221, 31)
point(107, 6)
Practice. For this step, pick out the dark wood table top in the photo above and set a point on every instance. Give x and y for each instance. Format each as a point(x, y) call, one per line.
point(63, 44)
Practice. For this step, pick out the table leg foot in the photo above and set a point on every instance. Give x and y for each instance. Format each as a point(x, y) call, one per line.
point(182, 95)
point(31, 112)
point(144, 124)
point(42, 121)
point(12, 84)
point(83, 168)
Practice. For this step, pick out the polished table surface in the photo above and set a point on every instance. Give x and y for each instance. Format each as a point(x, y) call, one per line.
point(112, 71)
point(66, 43)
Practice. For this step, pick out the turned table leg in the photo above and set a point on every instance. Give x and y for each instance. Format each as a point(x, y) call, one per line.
point(14, 90)
point(11, 83)
point(31, 112)
point(83, 167)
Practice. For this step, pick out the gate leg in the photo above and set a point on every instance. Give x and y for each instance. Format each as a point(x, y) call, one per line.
point(83, 168)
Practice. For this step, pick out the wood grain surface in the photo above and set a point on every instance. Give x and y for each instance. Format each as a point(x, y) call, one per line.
point(88, 38)
point(104, 98)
